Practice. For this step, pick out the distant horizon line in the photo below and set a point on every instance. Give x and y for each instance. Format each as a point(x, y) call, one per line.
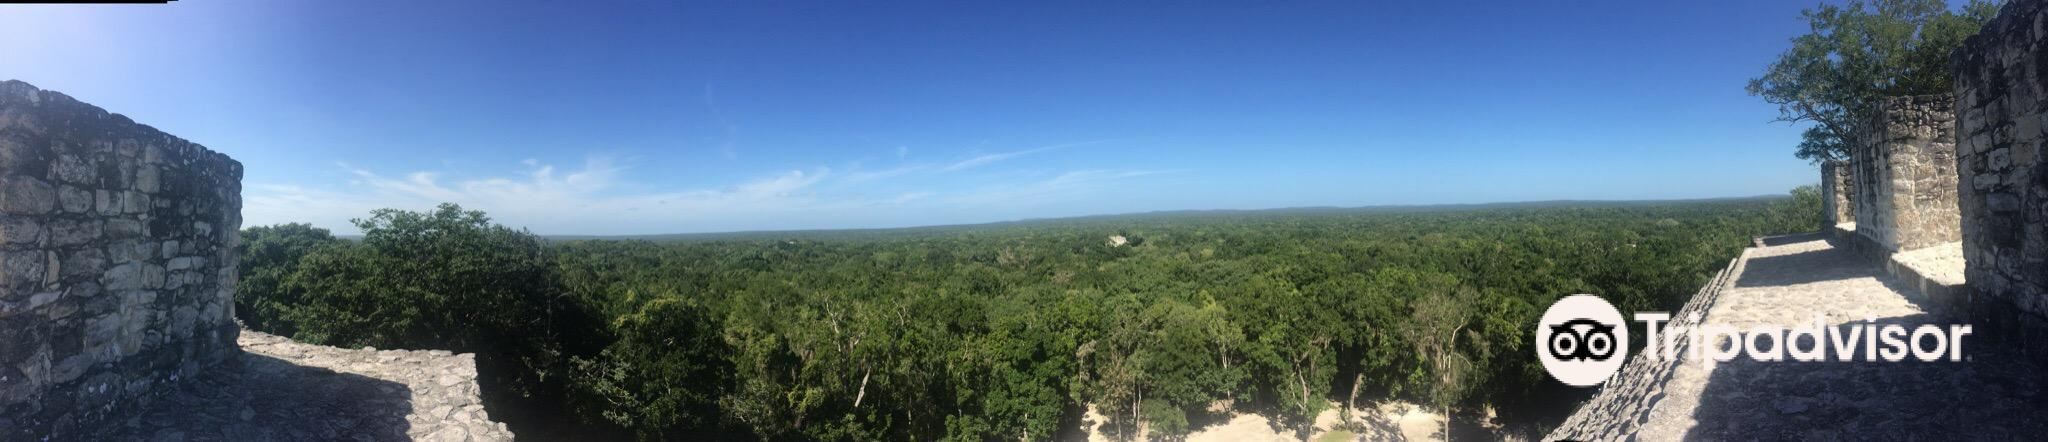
point(1444, 206)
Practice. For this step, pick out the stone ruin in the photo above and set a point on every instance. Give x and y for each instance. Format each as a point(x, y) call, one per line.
point(1903, 175)
point(1893, 200)
point(1963, 173)
point(117, 273)
point(1835, 191)
point(2003, 194)
point(117, 282)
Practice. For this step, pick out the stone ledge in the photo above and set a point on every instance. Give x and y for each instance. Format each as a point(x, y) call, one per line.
point(281, 389)
point(1935, 272)
point(1996, 319)
point(1940, 264)
point(1992, 394)
point(1618, 410)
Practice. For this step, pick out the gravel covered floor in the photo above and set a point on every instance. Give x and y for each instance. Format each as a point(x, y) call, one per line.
point(282, 390)
point(1994, 394)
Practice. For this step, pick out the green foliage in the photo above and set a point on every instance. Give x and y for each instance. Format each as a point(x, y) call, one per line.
point(664, 374)
point(1164, 361)
point(1436, 325)
point(444, 279)
point(1006, 331)
point(1859, 53)
point(447, 279)
point(270, 254)
point(1804, 208)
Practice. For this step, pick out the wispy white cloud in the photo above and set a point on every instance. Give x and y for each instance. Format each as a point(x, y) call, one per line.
point(543, 198)
point(1065, 186)
point(265, 204)
point(600, 197)
point(1088, 177)
point(992, 158)
point(863, 176)
point(539, 183)
point(910, 196)
point(783, 185)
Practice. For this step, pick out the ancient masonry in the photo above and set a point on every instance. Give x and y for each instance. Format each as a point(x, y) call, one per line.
point(116, 261)
point(1903, 174)
point(1898, 191)
point(1835, 190)
point(2004, 180)
point(1951, 194)
point(117, 279)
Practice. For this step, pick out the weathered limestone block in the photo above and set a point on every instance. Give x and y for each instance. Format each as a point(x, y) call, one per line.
point(19, 230)
point(81, 263)
point(89, 203)
point(72, 232)
point(26, 196)
point(1836, 189)
point(2003, 196)
point(74, 199)
point(1903, 174)
point(21, 271)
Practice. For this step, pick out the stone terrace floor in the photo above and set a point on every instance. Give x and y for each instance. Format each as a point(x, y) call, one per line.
point(280, 390)
point(1995, 394)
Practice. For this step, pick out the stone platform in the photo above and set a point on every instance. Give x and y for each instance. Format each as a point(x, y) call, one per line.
point(281, 390)
point(1994, 394)
point(1935, 272)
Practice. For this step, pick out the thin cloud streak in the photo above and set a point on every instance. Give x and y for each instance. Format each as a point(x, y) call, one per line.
point(597, 198)
point(542, 198)
point(1003, 156)
point(860, 176)
point(1069, 185)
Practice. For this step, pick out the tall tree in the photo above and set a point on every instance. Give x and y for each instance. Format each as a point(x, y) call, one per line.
point(663, 376)
point(269, 255)
point(1440, 321)
point(1857, 54)
point(444, 279)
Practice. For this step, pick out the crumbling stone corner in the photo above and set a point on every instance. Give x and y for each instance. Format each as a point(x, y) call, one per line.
point(1903, 175)
point(1836, 190)
point(117, 265)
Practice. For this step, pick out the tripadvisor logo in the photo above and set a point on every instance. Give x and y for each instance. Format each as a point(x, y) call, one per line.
point(1582, 341)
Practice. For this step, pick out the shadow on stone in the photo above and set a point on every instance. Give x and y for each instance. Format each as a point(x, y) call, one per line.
point(1991, 394)
point(1774, 241)
point(263, 398)
point(1821, 265)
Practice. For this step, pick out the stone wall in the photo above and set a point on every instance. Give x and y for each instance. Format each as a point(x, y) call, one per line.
point(2004, 193)
point(1903, 174)
point(117, 263)
point(1836, 187)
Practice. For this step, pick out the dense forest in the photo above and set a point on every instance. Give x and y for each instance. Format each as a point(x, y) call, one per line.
point(1001, 331)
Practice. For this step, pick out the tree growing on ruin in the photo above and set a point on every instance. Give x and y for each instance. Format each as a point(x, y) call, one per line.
point(1858, 53)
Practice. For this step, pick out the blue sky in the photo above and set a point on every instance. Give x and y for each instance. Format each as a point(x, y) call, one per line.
point(658, 117)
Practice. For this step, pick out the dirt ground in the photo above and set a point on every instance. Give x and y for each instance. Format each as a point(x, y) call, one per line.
point(1385, 422)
